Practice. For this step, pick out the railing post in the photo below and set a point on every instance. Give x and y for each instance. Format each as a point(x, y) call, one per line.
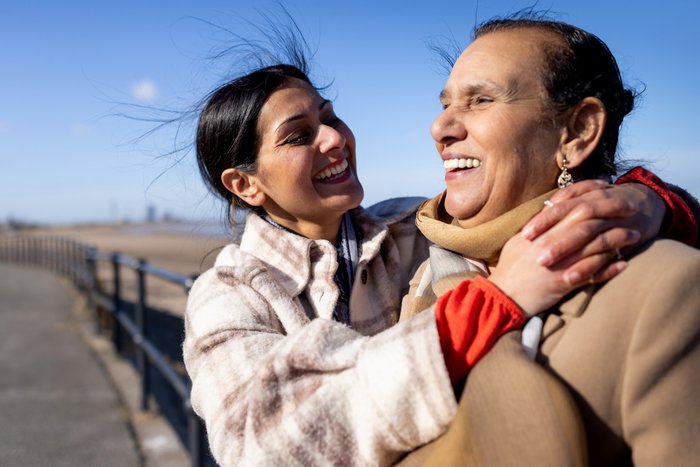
point(91, 264)
point(59, 256)
point(30, 250)
point(117, 302)
point(40, 252)
point(15, 249)
point(36, 248)
point(78, 263)
point(51, 253)
point(195, 435)
point(143, 330)
point(20, 249)
point(71, 260)
point(65, 262)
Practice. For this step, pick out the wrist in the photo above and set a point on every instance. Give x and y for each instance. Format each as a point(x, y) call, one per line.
point(511, 290)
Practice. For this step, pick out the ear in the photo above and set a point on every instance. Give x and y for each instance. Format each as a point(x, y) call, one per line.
point(584, 129)
point(243, 185)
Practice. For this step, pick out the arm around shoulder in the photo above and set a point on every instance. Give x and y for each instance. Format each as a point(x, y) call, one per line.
point(316, 392)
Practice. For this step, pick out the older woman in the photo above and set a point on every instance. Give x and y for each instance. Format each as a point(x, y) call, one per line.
point(527, 103)
point(291, 340)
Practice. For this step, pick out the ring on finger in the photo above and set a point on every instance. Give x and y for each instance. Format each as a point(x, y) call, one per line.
point(548, 203)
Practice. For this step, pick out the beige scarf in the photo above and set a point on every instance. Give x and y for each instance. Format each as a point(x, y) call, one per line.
point(483, 242)
point(446, 270)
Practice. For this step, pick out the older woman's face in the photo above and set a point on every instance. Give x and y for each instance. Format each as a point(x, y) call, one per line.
point(496, 127)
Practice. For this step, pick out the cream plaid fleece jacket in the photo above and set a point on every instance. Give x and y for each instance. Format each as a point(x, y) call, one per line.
point(278, 382)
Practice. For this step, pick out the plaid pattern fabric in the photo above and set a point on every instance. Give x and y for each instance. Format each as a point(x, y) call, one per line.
point(278, 382)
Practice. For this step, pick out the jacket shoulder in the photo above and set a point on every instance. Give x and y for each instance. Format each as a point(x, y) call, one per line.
point(667, 252)
point(394, 210)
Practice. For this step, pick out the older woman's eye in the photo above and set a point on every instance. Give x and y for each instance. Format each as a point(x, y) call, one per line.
point(482, 100)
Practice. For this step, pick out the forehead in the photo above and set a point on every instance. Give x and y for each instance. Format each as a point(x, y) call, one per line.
point(293, 97)
point(508, 58)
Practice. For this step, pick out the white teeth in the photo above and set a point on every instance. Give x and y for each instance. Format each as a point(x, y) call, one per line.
point(335, 170)
point(461, 163)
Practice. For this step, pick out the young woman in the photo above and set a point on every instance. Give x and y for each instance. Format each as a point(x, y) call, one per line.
point(291, 338)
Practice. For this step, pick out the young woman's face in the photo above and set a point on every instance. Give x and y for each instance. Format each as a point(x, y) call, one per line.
point(496, 123)
point(306, 159)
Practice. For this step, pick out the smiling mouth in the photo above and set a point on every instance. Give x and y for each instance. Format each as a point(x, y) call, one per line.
point(334, 172)
point(461, 163)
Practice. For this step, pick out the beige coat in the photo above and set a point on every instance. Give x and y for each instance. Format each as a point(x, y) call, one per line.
point(630, 352)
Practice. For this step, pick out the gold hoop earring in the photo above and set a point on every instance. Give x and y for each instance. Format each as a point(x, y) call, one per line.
point(565, 179)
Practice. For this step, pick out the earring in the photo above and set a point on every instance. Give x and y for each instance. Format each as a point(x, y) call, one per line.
point(565, 179)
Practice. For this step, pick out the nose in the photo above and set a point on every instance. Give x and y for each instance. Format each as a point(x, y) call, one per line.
point(330, 139)
point(446, 128)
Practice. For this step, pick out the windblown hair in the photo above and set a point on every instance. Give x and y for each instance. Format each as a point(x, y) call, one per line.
point(227, 135)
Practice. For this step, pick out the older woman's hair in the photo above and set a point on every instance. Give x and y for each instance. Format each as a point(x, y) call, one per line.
point(581, 66)
point(227, 135)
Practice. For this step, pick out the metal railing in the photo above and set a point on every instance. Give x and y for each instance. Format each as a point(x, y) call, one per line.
point(79, 263)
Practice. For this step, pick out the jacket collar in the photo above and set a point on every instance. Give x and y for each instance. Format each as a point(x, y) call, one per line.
point(287, 255)
point(373, 231)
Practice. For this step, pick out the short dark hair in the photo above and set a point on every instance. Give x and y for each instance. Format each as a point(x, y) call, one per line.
point(227, 135)
point(583, 66)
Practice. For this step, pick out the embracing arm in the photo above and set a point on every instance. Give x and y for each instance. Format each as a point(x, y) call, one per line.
point(596, 218)
point(319, 394)
point(682, 210)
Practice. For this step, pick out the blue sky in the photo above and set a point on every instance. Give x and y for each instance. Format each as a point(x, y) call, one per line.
point(65, 156)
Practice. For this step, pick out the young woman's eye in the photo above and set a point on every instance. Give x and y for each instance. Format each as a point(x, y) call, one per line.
point(297, 139)
point(333, 121)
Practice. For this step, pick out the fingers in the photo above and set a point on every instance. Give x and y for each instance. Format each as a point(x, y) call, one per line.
point(578, 189)
point(596, 203)
point(594, 269)
point(608, 272)
point(583, 239)
point(612, 240)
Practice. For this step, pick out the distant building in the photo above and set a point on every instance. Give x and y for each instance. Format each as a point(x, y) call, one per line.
point(151, 213)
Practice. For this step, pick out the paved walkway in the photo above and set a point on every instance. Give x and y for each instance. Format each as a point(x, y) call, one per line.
point(56, 404)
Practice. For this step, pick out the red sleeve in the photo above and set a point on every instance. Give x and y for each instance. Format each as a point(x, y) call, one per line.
point(679, 223)
point(470, 318)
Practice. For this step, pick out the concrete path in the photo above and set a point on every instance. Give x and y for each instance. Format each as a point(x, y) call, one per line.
point(57, 406)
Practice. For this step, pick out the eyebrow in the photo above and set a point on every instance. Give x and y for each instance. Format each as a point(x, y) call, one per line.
point(299, 116)
point(478, 87)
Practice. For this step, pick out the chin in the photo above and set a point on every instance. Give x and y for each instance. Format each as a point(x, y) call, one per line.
point(349, 200)
point(459, 209)
point(356, 199)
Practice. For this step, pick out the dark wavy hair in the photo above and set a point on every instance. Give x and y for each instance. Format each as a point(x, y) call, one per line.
point(581, 65)
point(275, 53)
point(227, 134)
